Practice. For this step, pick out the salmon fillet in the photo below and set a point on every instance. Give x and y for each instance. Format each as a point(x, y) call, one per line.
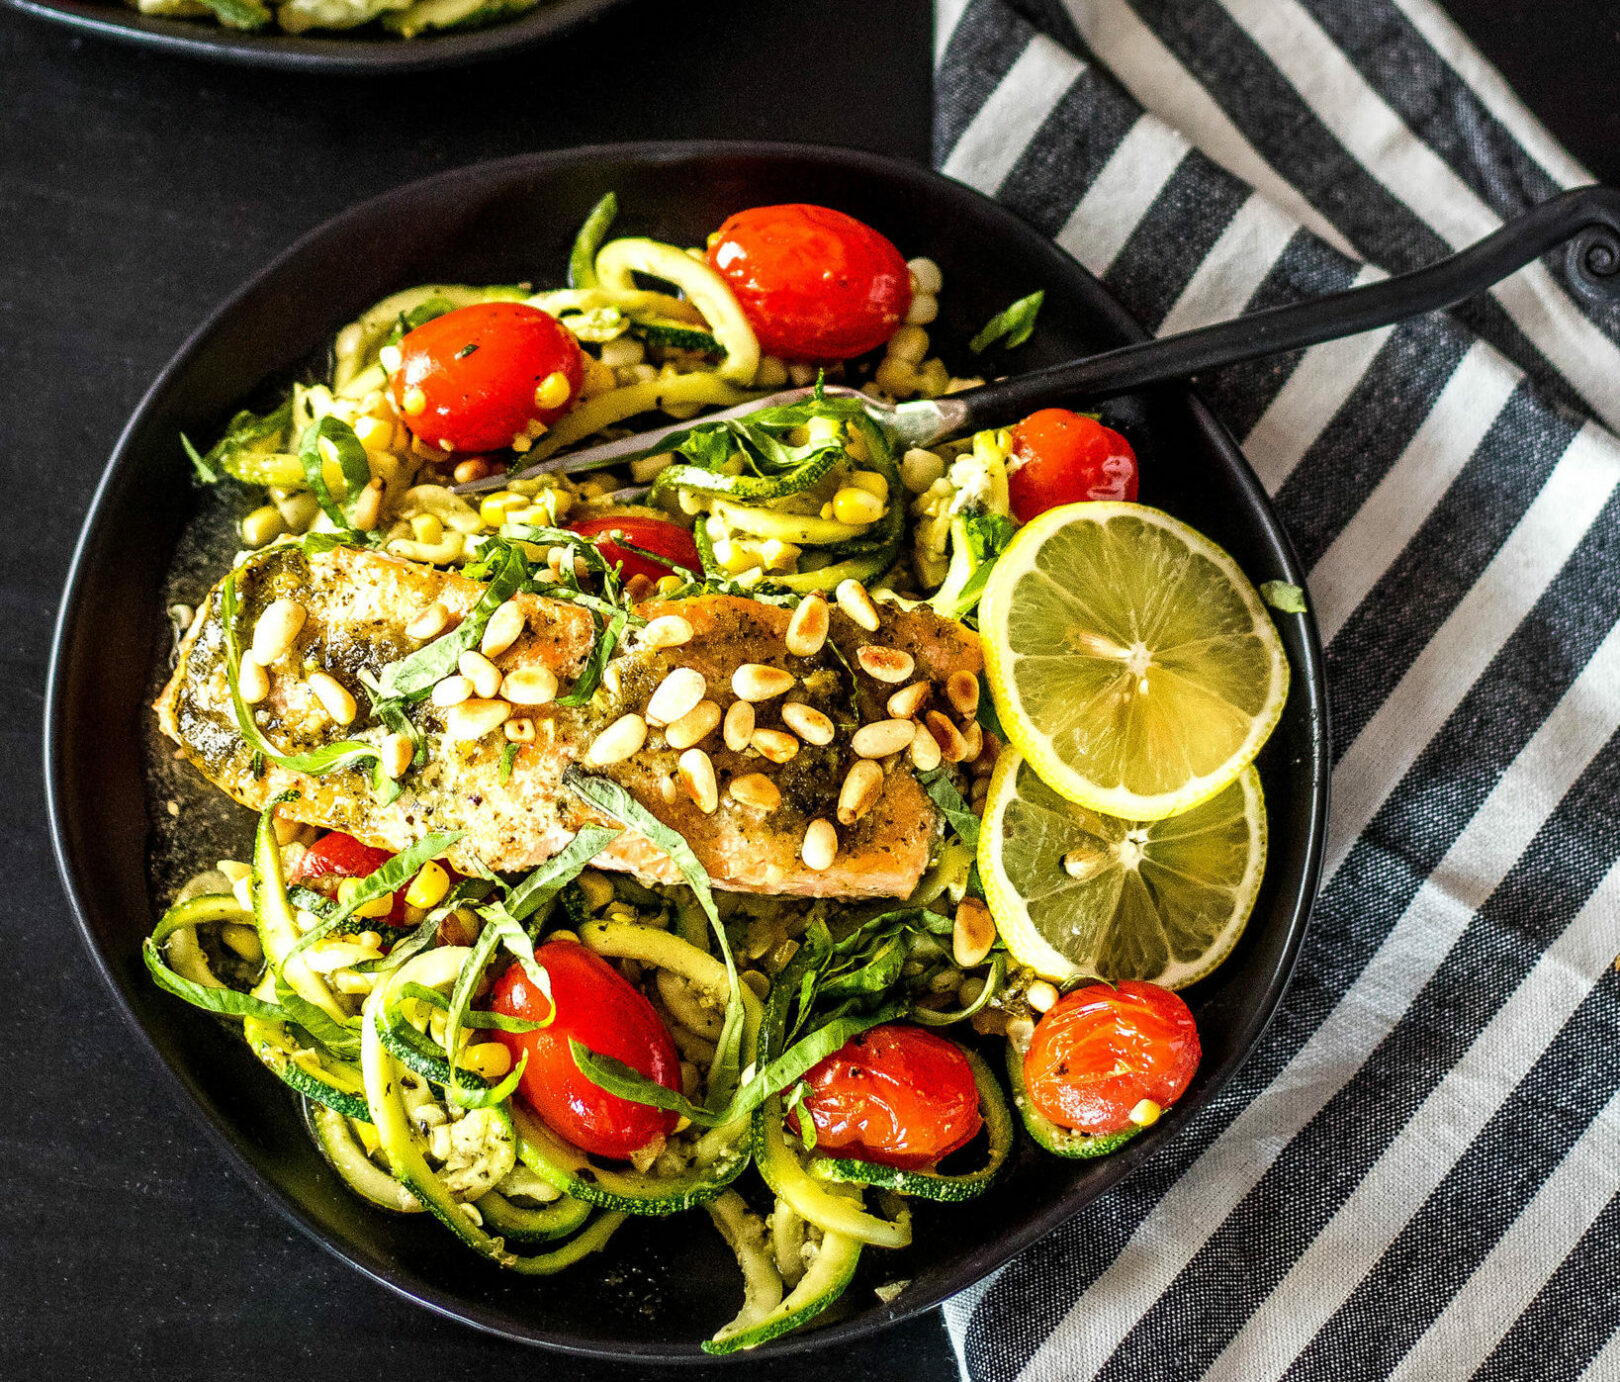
point(358, 605)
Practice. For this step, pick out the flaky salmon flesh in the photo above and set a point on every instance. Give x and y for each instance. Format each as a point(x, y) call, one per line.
point(358, 605)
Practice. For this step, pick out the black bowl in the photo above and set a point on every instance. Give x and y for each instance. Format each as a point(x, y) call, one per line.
point(672, 1283)
point(369, 51)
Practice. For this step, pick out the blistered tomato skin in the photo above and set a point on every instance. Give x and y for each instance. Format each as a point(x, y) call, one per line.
point(469, 378)
point(1059, 457)
point(900, 1096)
point(1101, 1051)
point(596, 1006)
point(815, 284)
point(336, 856)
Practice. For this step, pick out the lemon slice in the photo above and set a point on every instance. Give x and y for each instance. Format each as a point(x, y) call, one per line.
point(1130, 659)
point(1075, 893)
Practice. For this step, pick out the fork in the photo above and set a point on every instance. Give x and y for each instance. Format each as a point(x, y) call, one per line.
point(1587, 217)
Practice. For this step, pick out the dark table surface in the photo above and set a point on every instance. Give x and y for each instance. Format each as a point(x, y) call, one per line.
point(137, 190)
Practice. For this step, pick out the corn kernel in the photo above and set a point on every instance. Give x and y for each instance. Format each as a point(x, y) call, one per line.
point(428, 888)
point(377, 907)
point(856, 506)
point(494, 508)
point(373, 433)
point(553, 391)
point(489, 1059)
point(413, 402)
point(871, 482)
point(1146, 1113)
point(427, 529)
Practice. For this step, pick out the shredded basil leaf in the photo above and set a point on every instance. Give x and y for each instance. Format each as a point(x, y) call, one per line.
point(227, 1002)
point(205, 472)
point(351, 461)
point(389, 877)
point(508, 758)
point(956, 811)
point(610, 799)
point(414, 676)
point(1015, 323)
point(323, 1029)
point(492, 1021)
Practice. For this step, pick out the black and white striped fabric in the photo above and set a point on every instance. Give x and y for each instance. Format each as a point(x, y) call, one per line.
point(1415, 1176)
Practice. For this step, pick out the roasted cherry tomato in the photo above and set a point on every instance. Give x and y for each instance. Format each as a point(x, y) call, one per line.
point(897, 1095)
point(597, 1007)
point(336, 856)
point(1059, 457)
point(1101, 1051)
point(668, 540)
point(814, 283)
point(469, 378)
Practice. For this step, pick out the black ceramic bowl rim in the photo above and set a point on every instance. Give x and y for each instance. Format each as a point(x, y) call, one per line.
point(1312, 769)
point(325, 51)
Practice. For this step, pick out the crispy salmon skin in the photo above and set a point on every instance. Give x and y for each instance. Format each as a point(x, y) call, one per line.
point(358, 606)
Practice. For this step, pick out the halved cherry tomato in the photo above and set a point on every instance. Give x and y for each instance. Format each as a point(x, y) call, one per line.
point(1101, 1051)
point(476, 370)
point(814, 283)
point(336, 856)
point(1059, 457)
point(896, 1095)
point(668, 540)
point(596, 1006)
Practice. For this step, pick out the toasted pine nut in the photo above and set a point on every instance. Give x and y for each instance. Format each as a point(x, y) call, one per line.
point(882, 737)
point(252, 680)
point(952, 747)
point(739, 726)
point(807, 722)
point(820, 845)
point(477, 468)
point(694, 726)
point(697, 777)
point(775, 744)
point(368, 507)
point(756, 790)
point(520, 731)
point(618, 741)
point(473, 719)
point(962, 691)
point(678, 693)
point(638, 588)
point(886, 664)
point(336, 701)
point(752, 977)
point(530, 686)
point(1042, 996)
point(482, 674)
point(924, 751)
point(807, 630)
point(451, 690)
point(398, 750)
point(908, 700)
point(666, 631)
point(972, 740)
point(857, 604)
point(862, 787)
point(430, 623)
point(276, 629)
point(755, 681)
point(504, 629)
point(973, 934)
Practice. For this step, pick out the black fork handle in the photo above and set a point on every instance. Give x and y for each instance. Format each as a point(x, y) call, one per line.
point(1588, 217)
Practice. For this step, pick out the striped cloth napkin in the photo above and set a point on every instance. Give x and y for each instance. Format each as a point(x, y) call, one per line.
point(1415, 1174)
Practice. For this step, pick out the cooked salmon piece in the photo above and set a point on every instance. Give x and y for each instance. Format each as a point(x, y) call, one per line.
point(358, 605)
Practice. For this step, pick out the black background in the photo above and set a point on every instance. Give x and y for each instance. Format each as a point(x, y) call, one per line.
point(137, 190)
